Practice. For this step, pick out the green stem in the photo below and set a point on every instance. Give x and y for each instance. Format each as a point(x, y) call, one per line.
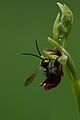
point(75, 87)
point(70, 67)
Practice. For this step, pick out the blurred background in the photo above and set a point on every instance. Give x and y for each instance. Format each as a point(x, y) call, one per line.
point(21, 23)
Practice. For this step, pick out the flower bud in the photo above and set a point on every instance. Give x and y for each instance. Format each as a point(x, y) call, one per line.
point(66, 19)
point(62, 25)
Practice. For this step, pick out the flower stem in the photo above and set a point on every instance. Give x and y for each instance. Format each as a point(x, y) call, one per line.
point(75, 87)
point(70, 68)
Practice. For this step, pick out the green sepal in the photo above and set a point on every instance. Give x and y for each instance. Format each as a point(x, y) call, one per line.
point(55, 28)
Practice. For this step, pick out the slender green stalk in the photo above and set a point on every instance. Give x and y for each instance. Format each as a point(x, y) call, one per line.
point(70, 67)
point(75, 88)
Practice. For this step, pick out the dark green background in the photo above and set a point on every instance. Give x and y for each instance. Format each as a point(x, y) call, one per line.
point(21, 22)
